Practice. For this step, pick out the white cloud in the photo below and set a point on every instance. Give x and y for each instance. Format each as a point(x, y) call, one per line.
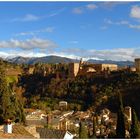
point(35, 32)
point(91, 6)
point(56, 12)
point(123, 22)
point(48, 29)
point(134, 26)
point(37, 47)
point(32, 17)
point(111, 4)
point(28, 17)
point(118, 54)
point(83, 9)
point(73, 42)
point(103, 27)
point(24, 34)
point(62, 54)
point(34, 43)
point(12, 54)
point(78, 10)
point(108, 21)
point(135, 12)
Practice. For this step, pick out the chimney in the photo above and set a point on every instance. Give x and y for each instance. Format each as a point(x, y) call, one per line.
point(48, 118)
point(8, 126)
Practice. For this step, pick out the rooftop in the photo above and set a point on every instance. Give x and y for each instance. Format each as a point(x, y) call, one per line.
point(51, 133)
point(19, 132)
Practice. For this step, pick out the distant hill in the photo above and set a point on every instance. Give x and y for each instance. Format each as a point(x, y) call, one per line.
point(119, 63)
point(19, 60)
point(58, 59)
point(46, 59)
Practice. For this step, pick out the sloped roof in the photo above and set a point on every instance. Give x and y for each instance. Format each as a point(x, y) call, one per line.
point(18, 132)
point(50, 133)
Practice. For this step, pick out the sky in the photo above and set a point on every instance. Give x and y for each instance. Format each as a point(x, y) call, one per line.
point(99, 30)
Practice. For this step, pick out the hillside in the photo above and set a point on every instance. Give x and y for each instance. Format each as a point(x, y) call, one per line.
point(119, 63)
point(19, 60)
point(11, 71)
point(58, 59)
point(97, 91)
point(46, 59)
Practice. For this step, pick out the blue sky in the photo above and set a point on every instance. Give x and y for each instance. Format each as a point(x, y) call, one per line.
point(99, 30)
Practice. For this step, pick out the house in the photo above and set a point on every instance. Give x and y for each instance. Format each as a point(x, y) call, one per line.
point(46, 133)
point(127, 111)
point(67, 113)
point(87, 68)
point(102, 67)
point(59, 123)
point(90, 69)
point(35, 117)
point(16, 131)
point(63, 105)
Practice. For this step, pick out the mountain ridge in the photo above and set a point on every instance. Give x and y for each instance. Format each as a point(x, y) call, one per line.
point(59, 59)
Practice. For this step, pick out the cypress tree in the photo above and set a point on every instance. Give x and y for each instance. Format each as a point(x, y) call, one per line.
point(134, 131)
point(83, 134)
point(120, 100)
point(9, 106)
point(5, 104)
point(94, 128)
point(120, 128)
point(20, 115)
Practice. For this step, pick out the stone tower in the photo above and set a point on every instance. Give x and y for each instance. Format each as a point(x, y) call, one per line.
point(137, 64)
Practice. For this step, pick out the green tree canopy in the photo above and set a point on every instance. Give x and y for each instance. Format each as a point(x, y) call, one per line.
point(134, 131)
point(83, 134)
point(120, 129)
point(10, 107)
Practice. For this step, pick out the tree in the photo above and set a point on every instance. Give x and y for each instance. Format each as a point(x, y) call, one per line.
point(134, 131)
point(21, 112)
point(9, 106)
point(120, 129)
point(94, 128)
point(83, 134)
point(5, 104)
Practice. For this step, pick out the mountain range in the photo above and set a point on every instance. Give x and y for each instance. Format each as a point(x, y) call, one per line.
point(46, 59)
point(58, 59)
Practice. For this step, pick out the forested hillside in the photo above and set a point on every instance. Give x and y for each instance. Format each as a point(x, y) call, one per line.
point(84, 91)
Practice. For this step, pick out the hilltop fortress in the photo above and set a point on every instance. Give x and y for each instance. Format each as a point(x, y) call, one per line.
point(83, 67)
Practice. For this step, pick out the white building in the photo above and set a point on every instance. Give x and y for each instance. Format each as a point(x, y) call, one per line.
point(8, 126)
point(127, 111)
point(63, 105)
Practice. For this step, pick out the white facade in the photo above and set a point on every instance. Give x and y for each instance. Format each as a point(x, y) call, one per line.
point(68, 135)
point(63, 104)
point(127, 111)
point(8, 128)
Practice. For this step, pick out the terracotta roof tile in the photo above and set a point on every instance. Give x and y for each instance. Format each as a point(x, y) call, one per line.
point(51, 133)
point(18, 132)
